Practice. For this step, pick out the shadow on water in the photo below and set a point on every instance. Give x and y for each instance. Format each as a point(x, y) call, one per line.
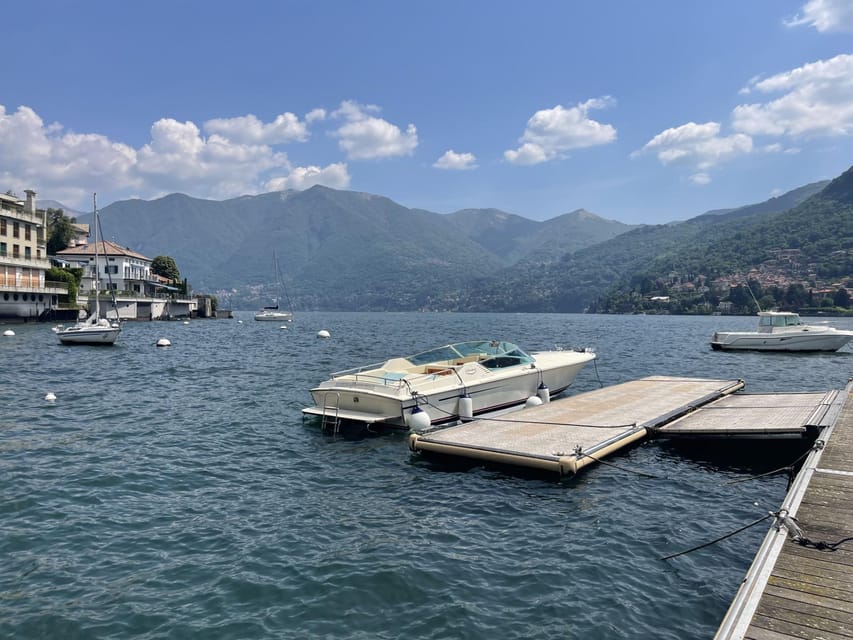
point(739, 456)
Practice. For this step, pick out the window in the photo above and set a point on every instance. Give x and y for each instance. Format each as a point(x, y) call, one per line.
point(16, 251)
point(27, 232)
point(3, 249)
point(28, 253)
point(16, 229)
point(3, 227)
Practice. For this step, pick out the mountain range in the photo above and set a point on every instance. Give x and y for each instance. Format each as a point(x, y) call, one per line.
point(347, 250)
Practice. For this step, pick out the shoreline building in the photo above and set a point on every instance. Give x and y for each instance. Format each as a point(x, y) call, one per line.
point(25, 294)
point(126, 275)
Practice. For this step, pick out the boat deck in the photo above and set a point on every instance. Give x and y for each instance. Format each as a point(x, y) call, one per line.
point(568, 434)
point(796, 590)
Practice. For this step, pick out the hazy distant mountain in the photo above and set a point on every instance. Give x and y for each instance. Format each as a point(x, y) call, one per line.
point(779, 203)
point(711, 244)
point(339, 249)
point(512, 237)
point(357, 251)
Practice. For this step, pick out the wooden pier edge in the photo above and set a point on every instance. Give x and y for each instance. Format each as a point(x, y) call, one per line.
point(739, 616)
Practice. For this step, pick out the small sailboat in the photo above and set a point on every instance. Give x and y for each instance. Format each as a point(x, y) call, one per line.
point(274, 312)
point(94, 330)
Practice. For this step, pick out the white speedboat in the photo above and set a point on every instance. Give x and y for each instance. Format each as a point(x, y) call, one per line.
point(782, 331)
point(445, 384)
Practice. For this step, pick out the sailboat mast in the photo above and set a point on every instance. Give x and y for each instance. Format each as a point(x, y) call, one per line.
point(97, 275)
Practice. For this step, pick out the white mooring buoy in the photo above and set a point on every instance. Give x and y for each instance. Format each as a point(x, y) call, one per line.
point(322, 333)
point(163, 342)
point(50, 397)
point(418, 419)
point(8, 332)
point(466, 408)
point(533, 401)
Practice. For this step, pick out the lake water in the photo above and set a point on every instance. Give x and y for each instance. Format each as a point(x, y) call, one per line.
point(176, 492)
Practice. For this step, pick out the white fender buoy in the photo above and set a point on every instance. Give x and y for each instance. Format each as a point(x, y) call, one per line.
point(50, 397)
point(533, 401)
point(284, 326)
point(466, 408)
point(164, 342)
point(543, 393)
point(418, 419)
point(8, 332)
point(322, 333)
point(186, 321)
point(239, 322)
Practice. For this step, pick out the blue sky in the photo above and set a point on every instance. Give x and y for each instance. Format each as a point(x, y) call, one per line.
point(643, 112)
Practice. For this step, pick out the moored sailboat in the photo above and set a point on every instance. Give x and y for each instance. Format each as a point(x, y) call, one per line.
point(95, 330)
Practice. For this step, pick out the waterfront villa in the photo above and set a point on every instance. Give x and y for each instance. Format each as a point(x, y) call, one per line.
point(25, 294)
point(125, 274)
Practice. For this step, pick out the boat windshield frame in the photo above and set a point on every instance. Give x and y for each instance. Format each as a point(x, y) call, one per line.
point(780, 320)
point(483, 349)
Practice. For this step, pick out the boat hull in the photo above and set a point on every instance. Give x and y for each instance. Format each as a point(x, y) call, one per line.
point(795, 341)
point(274, 317)
point(390, 402)
point(89, 335)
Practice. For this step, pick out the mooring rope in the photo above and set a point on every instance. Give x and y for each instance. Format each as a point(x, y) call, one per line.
point(428, 403)
point(817, 446)
point(781, 519)
point(580, 454)
point(721, 538)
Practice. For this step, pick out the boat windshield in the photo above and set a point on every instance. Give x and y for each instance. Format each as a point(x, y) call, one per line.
point(488, 349)
point(786, 320)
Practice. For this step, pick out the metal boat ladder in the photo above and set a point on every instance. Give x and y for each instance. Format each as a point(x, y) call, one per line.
point(330, 418)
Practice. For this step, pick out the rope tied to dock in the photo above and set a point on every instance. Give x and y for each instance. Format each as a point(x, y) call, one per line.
point(795, 532)
point(720, 539)
point(789, 468)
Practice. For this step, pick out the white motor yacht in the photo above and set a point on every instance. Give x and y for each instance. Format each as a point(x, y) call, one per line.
point(445, 384)
point(782, 331)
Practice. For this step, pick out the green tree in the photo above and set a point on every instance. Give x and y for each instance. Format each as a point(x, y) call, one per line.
point(165, 266)
point(71, 277)
point(60, 230)
point(841, 298)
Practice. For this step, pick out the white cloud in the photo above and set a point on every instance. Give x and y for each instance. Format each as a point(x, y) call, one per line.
point(550, 133)
point(250, 130)
point(334, 176)
point(68, 166)
point(817, 99)
point(825, 15)
point(698, 145)
point(365, 137)
point(456, 161)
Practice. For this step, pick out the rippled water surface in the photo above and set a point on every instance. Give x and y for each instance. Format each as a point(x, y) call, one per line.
point(176, 492)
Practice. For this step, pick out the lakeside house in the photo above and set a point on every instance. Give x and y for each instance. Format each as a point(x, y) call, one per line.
point(25, 293)
point(125, 274)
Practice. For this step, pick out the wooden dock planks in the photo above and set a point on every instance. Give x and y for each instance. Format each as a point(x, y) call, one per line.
point(792, 415)
point(567, 434)
point(796, 591)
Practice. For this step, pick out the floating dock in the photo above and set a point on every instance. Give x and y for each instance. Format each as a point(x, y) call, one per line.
point(757, 415)
point(800, 584)
point(567, 434)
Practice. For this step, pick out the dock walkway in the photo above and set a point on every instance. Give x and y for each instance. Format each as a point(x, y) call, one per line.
point(568, 434)
point(800, 584)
